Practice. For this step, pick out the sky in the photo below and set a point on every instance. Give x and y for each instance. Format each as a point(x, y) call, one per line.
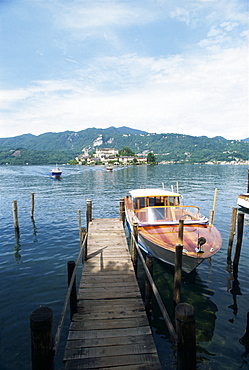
point(161, 66)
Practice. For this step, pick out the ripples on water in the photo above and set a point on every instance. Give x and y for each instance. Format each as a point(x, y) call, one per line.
point(33, 268)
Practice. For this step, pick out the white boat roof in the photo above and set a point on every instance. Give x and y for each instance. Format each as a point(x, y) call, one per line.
point(137, 193)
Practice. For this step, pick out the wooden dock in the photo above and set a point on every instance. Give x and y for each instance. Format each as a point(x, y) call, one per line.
point(110, 329)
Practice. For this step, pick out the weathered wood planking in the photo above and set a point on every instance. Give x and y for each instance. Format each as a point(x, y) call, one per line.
point(110, 329)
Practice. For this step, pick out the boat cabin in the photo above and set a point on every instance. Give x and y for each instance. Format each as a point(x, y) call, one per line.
point(160, 206)
point(142, 198)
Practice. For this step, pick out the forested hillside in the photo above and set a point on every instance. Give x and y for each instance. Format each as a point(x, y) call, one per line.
point(61, 147)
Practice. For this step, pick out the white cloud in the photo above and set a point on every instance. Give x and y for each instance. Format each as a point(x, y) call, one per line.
point(192, 95)
point(200, 90)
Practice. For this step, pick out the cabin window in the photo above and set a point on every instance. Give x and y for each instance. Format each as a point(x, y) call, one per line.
point(151, 201)
point(139, 203)
point(159, 201)
point(142, 202)
point(174, 201)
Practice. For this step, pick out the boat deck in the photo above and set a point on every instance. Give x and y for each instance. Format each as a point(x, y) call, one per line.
point(110, 329)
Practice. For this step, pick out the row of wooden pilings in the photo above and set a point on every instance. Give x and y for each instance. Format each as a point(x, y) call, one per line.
point(183, 335)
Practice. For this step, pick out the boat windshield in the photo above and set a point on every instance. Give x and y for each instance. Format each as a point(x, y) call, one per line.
point(168, 214)
point(142, 202)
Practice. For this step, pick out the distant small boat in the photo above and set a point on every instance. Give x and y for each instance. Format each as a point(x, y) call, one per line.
point(55, 173)
point(157, 213)
point(243, 200)
point(109, 168)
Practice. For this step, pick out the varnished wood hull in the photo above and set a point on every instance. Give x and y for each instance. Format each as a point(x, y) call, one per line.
point(160, 241)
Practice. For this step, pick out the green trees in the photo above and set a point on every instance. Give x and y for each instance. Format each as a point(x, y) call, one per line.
point(151, 158)
point(125, 151)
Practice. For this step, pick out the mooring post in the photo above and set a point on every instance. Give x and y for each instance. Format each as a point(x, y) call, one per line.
point(73, 295)
point(180, 232)
point(84, 253)
point(178, 274)
point(214, 206)
point(121, 209)
point(148, 288)
point(80, 226)
point(178, 265)
point(185, 330)
point(88, 212)
point(232, 233)
point(238, 243)
point(134, 241)
point(32, 205)
point(15, 216)
point(41, 327)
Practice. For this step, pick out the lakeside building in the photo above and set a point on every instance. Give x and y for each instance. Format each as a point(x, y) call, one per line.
point(108, 155)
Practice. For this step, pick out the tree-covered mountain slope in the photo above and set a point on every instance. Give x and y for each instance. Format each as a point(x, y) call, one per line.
point(175, 148)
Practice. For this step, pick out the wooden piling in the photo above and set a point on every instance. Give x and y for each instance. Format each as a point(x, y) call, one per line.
point(178, 274)
point(232, 233)
point(148, 288)
point(80, 226)
point(240, 226)
point(88, 211)
point(134, 240)
point(41, 326)
point(83, 234)
point(121, 209)
point(15, 215)
point(185, 329)
point(32, 205)
point(180, 232)
point(214, 206)
point(178, 265)
point(73, 295)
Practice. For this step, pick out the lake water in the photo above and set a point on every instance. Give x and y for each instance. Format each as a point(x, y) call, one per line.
point(33, 269)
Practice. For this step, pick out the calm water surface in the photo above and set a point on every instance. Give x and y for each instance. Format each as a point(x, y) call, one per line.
point(33, 269)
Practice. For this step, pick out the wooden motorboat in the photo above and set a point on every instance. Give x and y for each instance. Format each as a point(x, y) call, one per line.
point(243, 200)
point(56, 172)
point(157, 213)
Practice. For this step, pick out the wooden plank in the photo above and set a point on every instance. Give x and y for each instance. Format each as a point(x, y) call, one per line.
point(110, 303)
point(112, 350)
point(107, 333)
point(110, 324)
point(108, 280)
point(110, 329)
point(144, 361)
point(144, 339)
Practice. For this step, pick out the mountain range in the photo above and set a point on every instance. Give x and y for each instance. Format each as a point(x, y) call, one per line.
point(177, 148)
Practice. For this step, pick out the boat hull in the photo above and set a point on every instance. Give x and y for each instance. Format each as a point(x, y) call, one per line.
point(168, 256)
point(243, 201)
point(55, 175)
point(161, 241)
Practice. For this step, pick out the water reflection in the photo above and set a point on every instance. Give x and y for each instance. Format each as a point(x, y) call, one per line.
point(235, 291)
point(245, 342)
point(193, 291)
point(34, 229)
point(17, 247)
